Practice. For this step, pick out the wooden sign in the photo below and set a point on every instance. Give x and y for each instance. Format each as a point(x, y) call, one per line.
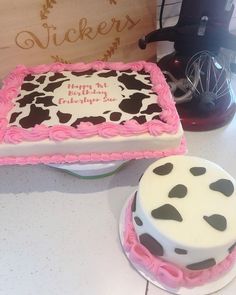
point(46, 31)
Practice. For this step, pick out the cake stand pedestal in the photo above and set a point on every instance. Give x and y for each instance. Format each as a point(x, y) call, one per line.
point(91, 170)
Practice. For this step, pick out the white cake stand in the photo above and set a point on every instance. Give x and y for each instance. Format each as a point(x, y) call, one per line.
point(205, 289)
point(92, 170)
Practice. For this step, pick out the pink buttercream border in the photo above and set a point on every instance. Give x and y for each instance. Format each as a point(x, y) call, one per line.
point(15, 135)
point(164, 272)
point(92, 157)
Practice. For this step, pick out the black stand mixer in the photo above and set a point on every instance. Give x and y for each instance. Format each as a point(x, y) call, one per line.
point(195, 71)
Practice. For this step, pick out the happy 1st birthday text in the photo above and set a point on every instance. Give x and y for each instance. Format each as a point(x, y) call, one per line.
point(86, 94)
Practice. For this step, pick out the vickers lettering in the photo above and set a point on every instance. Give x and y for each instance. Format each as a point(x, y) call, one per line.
point(82, 31)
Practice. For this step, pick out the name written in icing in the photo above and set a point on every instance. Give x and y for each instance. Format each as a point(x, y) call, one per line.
point(83, 31)
point(85, 100)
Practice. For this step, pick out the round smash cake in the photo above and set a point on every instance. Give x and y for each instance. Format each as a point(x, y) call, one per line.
point(179, 227)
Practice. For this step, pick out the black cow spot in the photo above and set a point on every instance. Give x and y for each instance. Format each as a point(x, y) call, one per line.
point(140, 177)
point(148, 80)
point(151, 244)
point(197, 171)
point(63, 117)
point(140, 119)
point(28, 98)
point(54, 85)
point(130, 82)
point(93, 120)
point(178, 191)
point(45, 100)
point(122, 88)
point(106, 112)
point(217, 221)
point(224, 186)
point(115, 116)
point(14, 116)
point(157, 117)
point(145, 74)
point(126, 71)
point(56, 76)
point(138, 221)
point(142, 72)
point(133, 205)
point(41, 79)
point(133, 104)
point(87, 73)
point(163, 169)
point(181, 251)
point(167, 212)
point(29, 77)
point(202, 264)
point(36, 116)
point(108, 74)
point(231, 249)
point(152, 108)
point(29, 86)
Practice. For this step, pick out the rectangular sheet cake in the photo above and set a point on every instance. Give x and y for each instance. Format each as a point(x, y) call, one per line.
point(92, 112)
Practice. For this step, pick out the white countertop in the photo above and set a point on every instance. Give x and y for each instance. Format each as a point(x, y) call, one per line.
point(59, 233)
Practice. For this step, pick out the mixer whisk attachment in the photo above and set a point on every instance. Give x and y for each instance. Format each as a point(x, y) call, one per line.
point(208, 77)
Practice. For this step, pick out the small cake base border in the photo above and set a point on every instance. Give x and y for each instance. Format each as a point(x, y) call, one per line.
point(207, 288)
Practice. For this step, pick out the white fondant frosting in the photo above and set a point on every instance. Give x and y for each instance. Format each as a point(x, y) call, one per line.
point(205, 200)
point(87, 112)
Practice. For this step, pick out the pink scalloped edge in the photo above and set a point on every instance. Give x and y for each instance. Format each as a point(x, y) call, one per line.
point(93, 157)
point(165, 272)
point(15, 135)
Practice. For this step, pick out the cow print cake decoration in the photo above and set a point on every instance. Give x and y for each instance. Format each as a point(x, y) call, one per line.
point(190, 203)
point(202, 264)
point(46, 99)
point(167, 212)
point(163, 169)
point(100, 111)
point(138, 221)
point(223, 186)
point(151, 244)
point(133, 207)
point(178, 191)
point(231, 248)
point(217, 221)
point(181, 251)
point(197, 171)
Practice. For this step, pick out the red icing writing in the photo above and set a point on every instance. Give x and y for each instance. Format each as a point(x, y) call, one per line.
point(83, 100)
point(79, 86)
point(86, 86)
point(86, 94)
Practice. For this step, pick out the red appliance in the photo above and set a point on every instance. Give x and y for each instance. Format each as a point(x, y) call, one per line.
point(199, 36)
